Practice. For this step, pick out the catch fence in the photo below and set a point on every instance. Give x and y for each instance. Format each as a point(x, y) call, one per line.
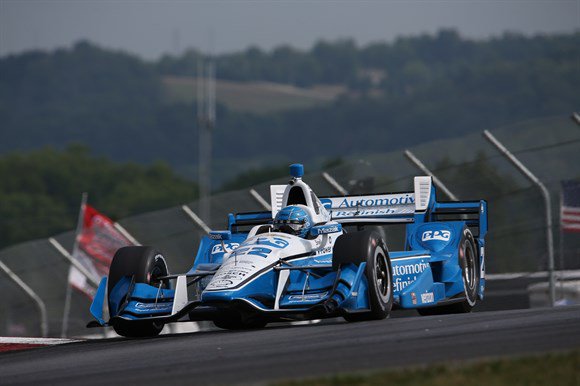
point(468, 166)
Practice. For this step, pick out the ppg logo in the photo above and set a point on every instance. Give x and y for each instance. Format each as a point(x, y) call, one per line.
point(219, 249)
point(436, 235)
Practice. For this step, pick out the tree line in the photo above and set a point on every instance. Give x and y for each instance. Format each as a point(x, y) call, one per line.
point(412, 90)
point(41, 190)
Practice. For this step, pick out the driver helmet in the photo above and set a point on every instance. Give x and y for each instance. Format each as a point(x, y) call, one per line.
point(293, 219)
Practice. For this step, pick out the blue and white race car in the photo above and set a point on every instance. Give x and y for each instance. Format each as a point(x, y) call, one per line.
point(308, 258)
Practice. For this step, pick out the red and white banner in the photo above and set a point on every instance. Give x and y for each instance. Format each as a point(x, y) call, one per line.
point(96, 244)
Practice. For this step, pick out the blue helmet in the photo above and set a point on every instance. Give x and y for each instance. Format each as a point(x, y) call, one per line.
point(293, 219)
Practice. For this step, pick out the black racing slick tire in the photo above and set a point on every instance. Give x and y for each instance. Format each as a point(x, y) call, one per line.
point(144, 265)
point(470, 272)
point(368, 247)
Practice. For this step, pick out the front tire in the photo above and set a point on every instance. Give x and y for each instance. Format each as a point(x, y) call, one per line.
point(145, 265)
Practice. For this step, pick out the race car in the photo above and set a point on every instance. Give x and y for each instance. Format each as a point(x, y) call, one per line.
point(307, 258)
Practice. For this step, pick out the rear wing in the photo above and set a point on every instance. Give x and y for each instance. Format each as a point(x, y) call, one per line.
point(384, 207)
point(418, 206)
point(368, 208)
point(474, 213)
point(405, 207)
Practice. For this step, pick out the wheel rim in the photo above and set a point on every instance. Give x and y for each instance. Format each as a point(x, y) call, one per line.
point(159, 269)
point(382, 276)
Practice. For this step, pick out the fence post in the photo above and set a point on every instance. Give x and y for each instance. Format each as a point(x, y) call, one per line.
point(195, 218)
point(334, 184)
point(261, 200)
point(546, 194)
point(94, 281)
point(40, 304)
point(124, 232)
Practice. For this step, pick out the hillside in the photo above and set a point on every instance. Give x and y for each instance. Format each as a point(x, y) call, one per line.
point(272, 107)
point(253, 97)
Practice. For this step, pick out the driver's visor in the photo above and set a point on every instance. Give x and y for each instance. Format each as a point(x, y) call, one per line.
point(294, 224)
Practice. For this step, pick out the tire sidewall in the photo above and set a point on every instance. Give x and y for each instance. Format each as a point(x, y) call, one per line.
point(137, 262)
point(468, 246)
point(380, 305)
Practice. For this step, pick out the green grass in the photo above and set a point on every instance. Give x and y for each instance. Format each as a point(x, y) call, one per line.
point(254, 97)
point(558, 369)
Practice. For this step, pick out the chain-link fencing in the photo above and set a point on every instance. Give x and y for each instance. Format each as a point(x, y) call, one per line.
point(468, 166)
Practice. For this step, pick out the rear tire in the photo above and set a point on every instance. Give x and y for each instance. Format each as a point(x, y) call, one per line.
point(145, 265)
point(369, 247)
point(469, 263)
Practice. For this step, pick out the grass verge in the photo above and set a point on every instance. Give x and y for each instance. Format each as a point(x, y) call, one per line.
point(561, 369)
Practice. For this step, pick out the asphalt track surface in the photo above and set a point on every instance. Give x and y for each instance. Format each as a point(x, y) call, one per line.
point(291, 352)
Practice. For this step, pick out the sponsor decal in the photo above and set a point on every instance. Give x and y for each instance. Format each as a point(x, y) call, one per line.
point(307, 297)
point(427, 297)
point(410, 269)
point(274, 242)
point(413, 298)
point(442, 235)
point(232, 274)
point(324, 251)
point(328, 229)
point(406, 199)
point(402, 284)
point(355, 206)
point(219, 249)
point(369, 212)
point(220, 283)
point(151, 306)
point(256, 251)
point(406, 274)
point(325, 261)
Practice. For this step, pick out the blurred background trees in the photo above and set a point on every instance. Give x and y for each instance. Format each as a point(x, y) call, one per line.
point(136, 121)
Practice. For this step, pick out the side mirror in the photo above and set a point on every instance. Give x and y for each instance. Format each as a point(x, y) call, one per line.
point(220, 235)
point(325, 229)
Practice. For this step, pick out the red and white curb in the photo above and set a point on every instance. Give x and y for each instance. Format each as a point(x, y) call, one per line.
point(13, 344)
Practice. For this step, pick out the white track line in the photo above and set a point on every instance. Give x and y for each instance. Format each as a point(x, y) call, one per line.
point(36, 341)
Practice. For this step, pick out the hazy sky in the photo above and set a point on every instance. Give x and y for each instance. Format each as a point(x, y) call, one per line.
point(153, 27)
